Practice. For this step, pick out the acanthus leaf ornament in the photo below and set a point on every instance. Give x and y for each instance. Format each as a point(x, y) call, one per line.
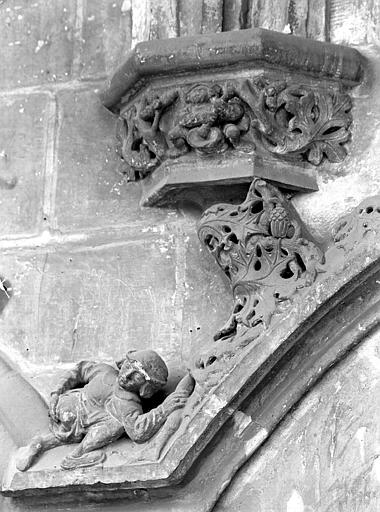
point(298, 120)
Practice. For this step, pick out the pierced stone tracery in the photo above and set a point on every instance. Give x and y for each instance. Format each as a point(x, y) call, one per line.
point(260, 248)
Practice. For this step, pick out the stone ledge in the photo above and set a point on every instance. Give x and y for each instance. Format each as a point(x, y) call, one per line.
point(244, 47)
point(167, 182)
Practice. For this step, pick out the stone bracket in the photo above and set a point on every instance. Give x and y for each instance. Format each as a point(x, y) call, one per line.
point(218, 109)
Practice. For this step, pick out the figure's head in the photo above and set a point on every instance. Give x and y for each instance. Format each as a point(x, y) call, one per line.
point(143, 372)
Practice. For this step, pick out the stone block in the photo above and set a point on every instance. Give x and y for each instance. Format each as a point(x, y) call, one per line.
point(23, 143)
point(106, 36)
point(37, 41)
point(75, 304)
point(90, 191)
point(19, 322)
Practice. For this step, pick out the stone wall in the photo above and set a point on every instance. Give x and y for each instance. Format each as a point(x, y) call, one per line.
point(92, 273)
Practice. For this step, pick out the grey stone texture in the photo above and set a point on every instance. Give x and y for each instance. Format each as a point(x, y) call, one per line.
point(23, 136)
point(324, 456)
point(93, 273)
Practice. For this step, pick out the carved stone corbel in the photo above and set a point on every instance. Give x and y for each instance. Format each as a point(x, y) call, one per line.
point(218, 109)
point(302, 123)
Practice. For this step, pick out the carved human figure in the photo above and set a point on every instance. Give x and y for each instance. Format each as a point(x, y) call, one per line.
point(95, 404)
point(143, 145)
point(211, 114)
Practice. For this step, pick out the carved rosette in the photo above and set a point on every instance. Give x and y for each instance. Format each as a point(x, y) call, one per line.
point(260, 248)
point(296, 122)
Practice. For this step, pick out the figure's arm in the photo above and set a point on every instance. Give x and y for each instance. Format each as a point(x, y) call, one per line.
point(141, 427)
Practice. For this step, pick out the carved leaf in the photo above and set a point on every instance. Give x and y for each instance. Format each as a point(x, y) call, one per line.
point(323, 118)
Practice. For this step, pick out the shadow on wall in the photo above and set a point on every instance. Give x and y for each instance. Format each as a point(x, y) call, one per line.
point(5, 292)
point(23, 412)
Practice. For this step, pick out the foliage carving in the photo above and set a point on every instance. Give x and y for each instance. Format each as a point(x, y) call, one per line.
point(259, 246)
point(290, 121)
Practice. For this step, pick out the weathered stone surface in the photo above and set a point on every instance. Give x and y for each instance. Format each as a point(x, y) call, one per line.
point(324, 456)
point(234, 373)
point(24, 140)
point(270, 15)
point(342, 186)
point(194, 125)
point(355, 22)
point(90, 191)
point(234, 15)
point(74, 304)
point(317, 22)
point(23, 411)
point(37, 41)
point(190, 17)
point(298, 17)
point(212, 16)
point(7, 447)
point(104, 38)
point(206, 300)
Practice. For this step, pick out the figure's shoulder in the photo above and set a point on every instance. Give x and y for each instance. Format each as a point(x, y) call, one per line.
point(106, 368)
point(94, 369)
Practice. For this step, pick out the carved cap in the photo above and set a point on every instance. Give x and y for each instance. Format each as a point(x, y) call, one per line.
point(150, 364)
point(250, 47)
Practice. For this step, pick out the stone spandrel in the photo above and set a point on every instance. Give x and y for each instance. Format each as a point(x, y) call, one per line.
point(225, 382)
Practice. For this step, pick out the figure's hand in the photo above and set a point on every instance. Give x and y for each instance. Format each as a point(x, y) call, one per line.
point(54, 397)
point(176, 400)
